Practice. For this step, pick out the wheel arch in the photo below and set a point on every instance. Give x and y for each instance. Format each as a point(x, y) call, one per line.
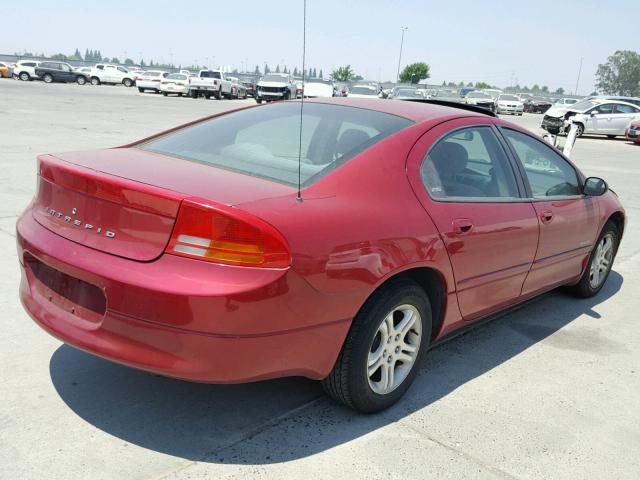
point(618, 219)
point(433, 283)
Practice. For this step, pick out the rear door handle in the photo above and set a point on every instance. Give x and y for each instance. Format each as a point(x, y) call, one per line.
point(462, 226)
point(546, 216)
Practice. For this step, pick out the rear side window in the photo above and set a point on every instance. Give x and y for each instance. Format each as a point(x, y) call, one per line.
point(265, 141)
point(625, 109)
point(469, 163)
point(549, 174)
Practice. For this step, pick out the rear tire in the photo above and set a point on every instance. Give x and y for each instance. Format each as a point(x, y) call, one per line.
point(611, 137)
point(164, 94)
point(24, 76)
point(95, 81)
point(600, 263)
point(373, 347)
point(127, 82)
point(47, 78)
point(80, 80)
point(580, 130)
point(258, 100)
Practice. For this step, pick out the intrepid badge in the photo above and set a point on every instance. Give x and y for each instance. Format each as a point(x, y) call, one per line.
point(79, 223)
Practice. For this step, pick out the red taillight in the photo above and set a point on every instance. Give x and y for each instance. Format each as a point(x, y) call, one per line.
point(215, 233)
point(158, 81)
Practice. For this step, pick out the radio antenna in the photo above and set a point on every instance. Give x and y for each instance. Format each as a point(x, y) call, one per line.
point(304, 68)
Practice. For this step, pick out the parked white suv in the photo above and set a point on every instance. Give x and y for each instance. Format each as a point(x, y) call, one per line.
point(114, 74)
point(25, 70)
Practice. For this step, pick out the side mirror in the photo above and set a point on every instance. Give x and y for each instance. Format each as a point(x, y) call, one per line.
point(593, 113)
point(594, 187)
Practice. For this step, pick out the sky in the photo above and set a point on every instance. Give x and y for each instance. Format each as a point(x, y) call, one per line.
point(502, 42)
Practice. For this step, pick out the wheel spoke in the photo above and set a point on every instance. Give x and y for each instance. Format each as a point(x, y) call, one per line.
point(405, 358)
point(388, 322)
point(375, 363)
point(389, 376)
point(596, 276)
point(406, 323)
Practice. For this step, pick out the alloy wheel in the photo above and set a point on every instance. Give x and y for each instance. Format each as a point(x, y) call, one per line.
point(601, 261)
point(394, 349)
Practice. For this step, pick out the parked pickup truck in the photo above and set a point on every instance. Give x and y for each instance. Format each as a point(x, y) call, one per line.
point(209, 83)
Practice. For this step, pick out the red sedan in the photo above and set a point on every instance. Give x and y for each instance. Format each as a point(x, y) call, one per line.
point(191, 254)
point(633, 132)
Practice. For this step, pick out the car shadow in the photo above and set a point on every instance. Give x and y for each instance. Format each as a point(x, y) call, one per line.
point(203, 422)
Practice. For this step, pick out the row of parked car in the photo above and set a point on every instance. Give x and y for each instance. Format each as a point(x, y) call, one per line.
point(205, 83)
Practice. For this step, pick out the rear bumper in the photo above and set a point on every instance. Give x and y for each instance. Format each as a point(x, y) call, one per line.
point(183, 318)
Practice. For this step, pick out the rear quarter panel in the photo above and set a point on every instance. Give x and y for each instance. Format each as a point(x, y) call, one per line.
point(359, 226)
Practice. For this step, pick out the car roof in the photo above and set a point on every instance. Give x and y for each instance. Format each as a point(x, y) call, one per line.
point(416, 111)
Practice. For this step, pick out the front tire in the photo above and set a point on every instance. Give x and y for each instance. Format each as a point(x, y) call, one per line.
point(80, 80)
point(24, 76)
point(47, 78)
point(95, 81)
point(127, 82)
point(380, 356)
point(141, 90)
point(600, 263)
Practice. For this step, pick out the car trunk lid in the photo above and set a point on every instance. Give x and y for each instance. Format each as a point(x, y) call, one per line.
point(125, 201)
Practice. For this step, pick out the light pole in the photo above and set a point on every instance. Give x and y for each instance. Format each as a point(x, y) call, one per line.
point(575, 92)
point(404, 29)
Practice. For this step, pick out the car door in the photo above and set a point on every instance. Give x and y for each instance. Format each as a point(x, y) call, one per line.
point(599, 119)
point(65, 72)
point(622, 116)
point(468, 185)
point(568, 219)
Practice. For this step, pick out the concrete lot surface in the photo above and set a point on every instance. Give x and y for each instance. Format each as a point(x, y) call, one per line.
point(549, 392)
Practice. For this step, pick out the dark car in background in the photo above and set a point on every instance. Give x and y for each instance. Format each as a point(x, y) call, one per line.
point(250, 84)
point(537, 105)
point(51, 72)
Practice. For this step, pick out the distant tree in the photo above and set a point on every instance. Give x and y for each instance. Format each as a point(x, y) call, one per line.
point(321, 75)
point(277, 68)
point(544, 89)
point(128, 61)
point(444, 83)
point(343, 74)
point(482, 85)
point(235, 70)
point(315, 73)
point(115, 60)
point(560, 91)
point(620, 75)
point(267, 70)
point(295, 71)
point(470, 84)
point(98, 56)
point(461, 85)
point(535, 88)
point(415, 72)
point(358, 78)
point(142, 64)
point(76, 55)
point(151, 63)
point(59, 56)
point(284, 70)
point(257, 70)
point(451, 84)
point(593, 93)
point(525, 89)
point(87, 57)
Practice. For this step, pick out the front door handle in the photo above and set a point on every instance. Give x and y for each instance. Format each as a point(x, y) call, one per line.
point(462, 226)
point(546, 216)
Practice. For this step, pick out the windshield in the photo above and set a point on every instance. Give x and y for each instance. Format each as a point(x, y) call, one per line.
point(210, 74)
point(151, 74)
point(509, 98)
point(583, 105)
point(478, 95)
point(363, 91)
point(264, 142)
point(275, 78)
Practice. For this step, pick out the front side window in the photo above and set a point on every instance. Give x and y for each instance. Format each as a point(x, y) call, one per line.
point(549, 174)
point(605, 108)
point(469, 163)
point(265, 141)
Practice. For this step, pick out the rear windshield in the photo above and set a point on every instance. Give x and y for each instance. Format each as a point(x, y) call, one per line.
point(265, 141)
point(210, 74)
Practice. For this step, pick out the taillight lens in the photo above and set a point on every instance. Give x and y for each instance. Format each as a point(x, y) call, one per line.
point(220, 234)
